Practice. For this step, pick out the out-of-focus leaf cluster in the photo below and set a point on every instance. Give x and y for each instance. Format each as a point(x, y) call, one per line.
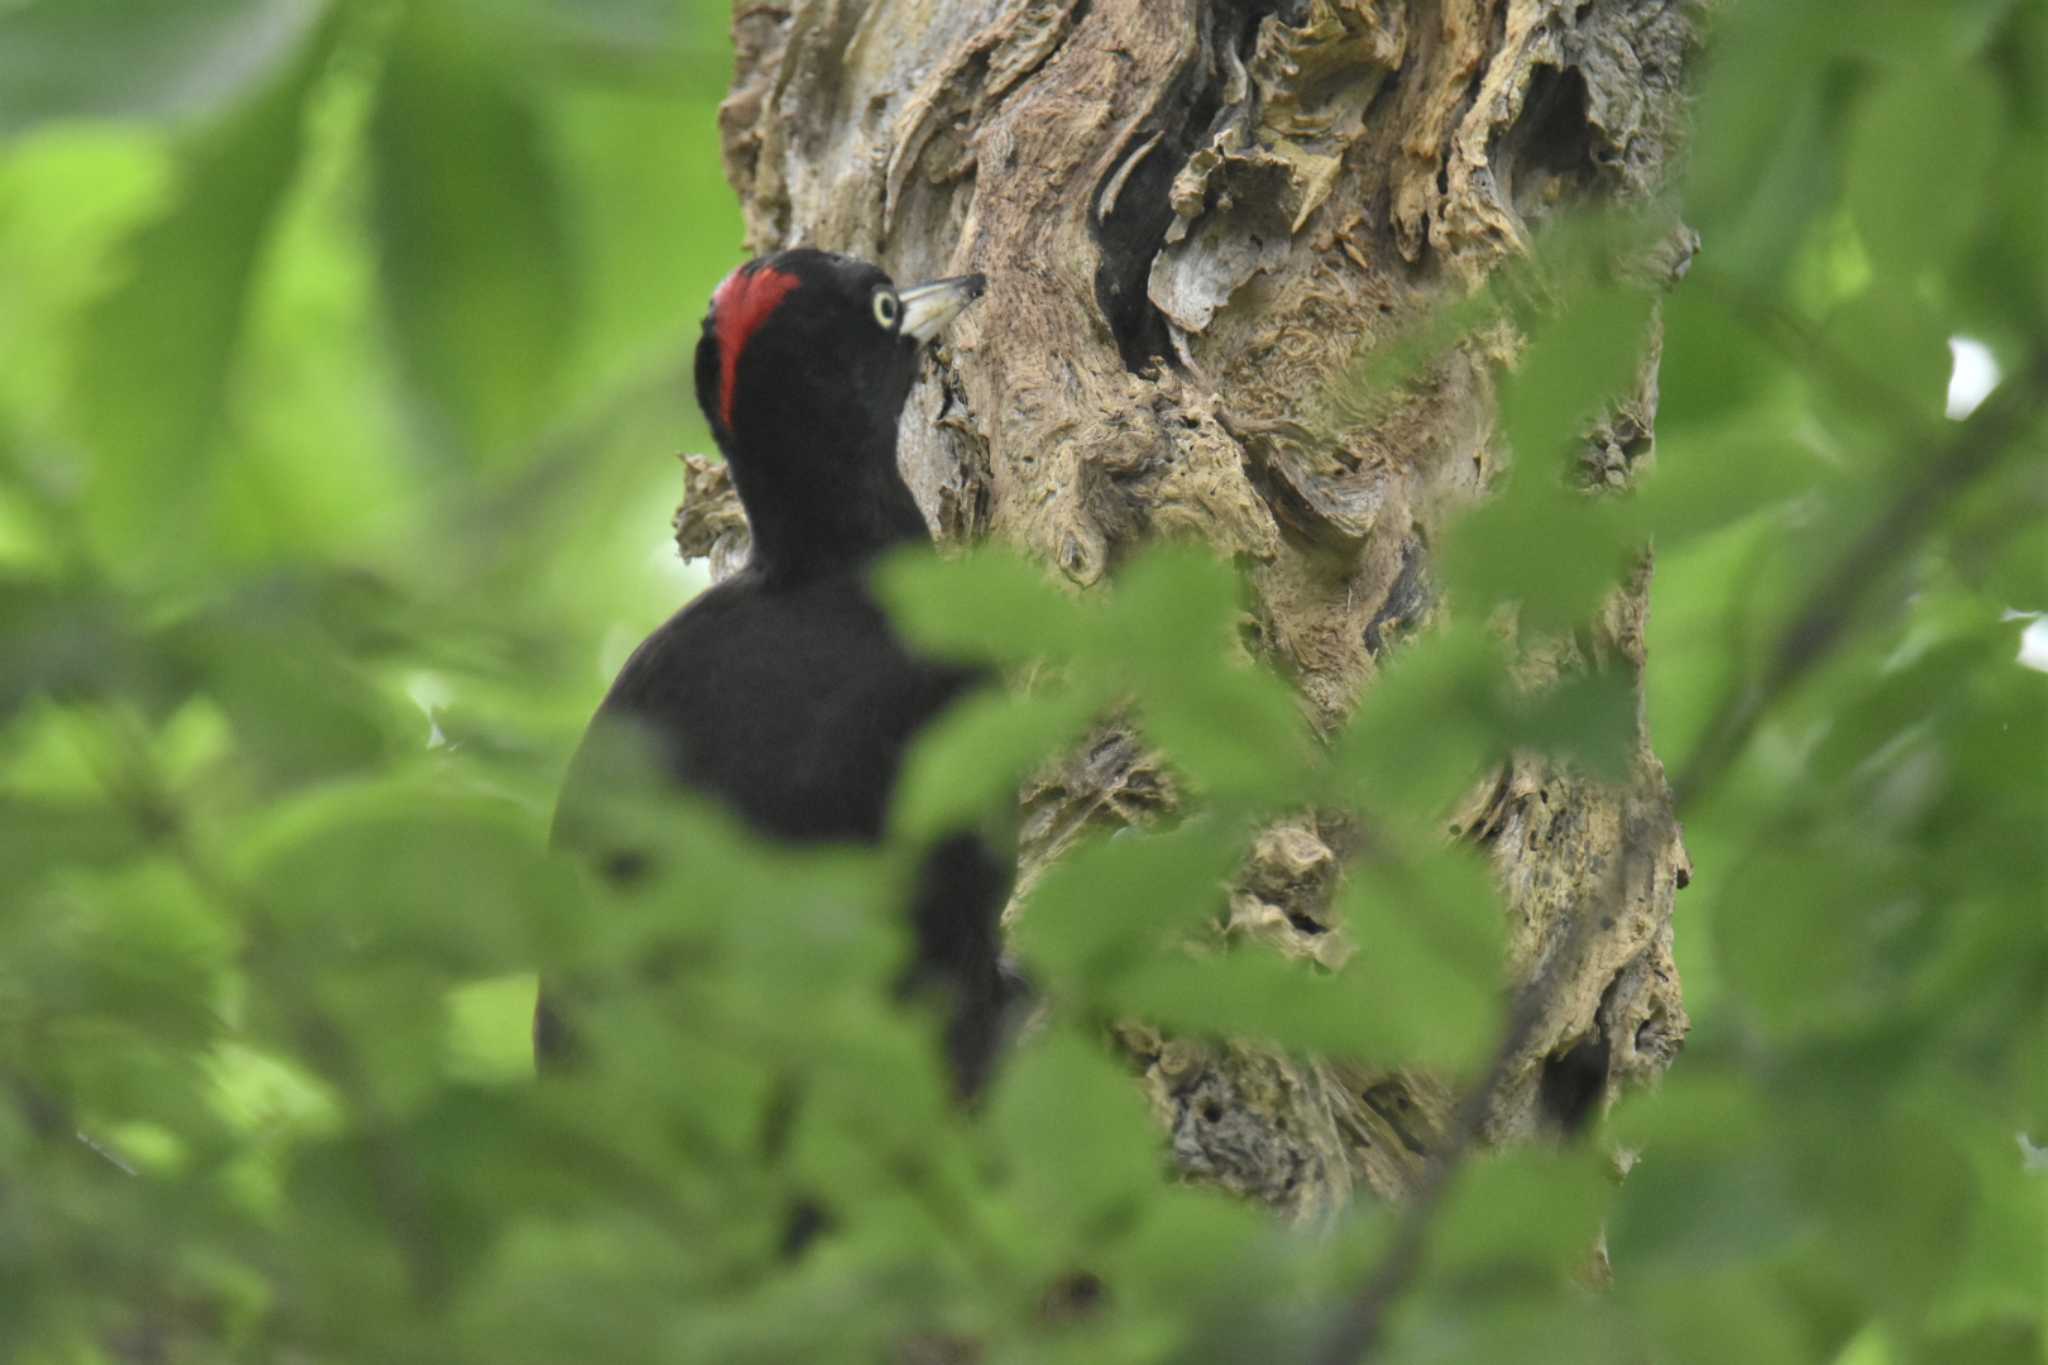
point(341, 348)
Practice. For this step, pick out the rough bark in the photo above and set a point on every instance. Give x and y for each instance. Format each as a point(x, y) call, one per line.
point(1194, 215)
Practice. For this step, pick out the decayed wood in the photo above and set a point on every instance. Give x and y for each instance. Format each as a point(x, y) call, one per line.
point(1194, 216)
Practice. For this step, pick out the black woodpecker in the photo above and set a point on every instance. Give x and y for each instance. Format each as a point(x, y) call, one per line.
point(783, 692)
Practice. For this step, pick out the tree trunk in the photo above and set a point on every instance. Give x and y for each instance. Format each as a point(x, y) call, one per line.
point(1194, 215)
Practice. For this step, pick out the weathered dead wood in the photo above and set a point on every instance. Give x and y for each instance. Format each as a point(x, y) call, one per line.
point(1194, 215)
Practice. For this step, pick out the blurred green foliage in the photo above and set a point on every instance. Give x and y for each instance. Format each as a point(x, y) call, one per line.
point(340, 348)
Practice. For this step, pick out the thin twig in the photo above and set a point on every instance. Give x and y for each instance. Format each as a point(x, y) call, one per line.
point(1358, 1331)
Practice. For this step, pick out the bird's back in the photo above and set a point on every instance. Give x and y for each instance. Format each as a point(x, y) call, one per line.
point(791, 705)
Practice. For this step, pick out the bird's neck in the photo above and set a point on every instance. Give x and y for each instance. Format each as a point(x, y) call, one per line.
point(839, 508)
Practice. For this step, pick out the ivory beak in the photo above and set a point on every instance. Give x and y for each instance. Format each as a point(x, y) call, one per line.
point(927, 308)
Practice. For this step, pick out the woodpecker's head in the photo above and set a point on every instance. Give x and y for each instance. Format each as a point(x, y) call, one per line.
point(821, 332)
point(803, 369)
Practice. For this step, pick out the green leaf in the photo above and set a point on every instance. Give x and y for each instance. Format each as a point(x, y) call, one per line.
point(1802, 939)
point(1702, 634)
point(1174, 598)
point(2004, 282)
point(1910, 34)
point(40, 835)
point(713, 891)
point(1521, 1212)
point(1588, 719)
point(1897, 341)
point(1715, 368)
point(412, 871)
point(968, 764)
point(72, 642)
point(1425, 733)
point(131, 947)
point(2006, 1261)
point(1921, 160)
point(1744, 1313)
point(154, 370)
point(157, 59)
point(1900, 1248)
point(300, 707)
point(992, 606)
point(1229, 724)
point(1576, 365)
point(2014, 1338)
point(1253, 993)
point(1220, 1281)
point(471, 245)
point(1076, 1131)
point(1708, 479)
point(654, 232)
point(1120, 901)
point(1874, 717)
point(1711, 1186)
point(2017, 575)
point(1430, 946)
point(1167, 637)
point(1524, 1320)
point(636, 38)
point(1551, 551)
point(1767, 157)
point(1447, 676)
point(490, 1030)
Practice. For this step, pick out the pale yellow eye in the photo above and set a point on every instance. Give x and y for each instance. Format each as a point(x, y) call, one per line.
point(887, 309)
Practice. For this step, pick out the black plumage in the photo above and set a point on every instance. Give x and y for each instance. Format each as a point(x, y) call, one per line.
point(783, 692)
